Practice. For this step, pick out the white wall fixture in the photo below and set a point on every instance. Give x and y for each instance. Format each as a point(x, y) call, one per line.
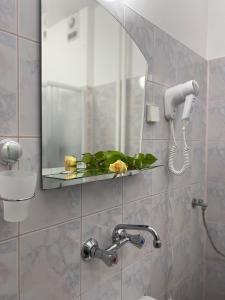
point(152, 113)
point(183, 93)
point(17, 188)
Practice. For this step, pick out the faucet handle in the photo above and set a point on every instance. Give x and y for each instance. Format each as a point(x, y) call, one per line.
point(109, 257)
point(90, 249)
point(137, 240)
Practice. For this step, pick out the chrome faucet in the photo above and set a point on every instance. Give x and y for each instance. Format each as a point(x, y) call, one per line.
point(120, 237)
point(120, 230)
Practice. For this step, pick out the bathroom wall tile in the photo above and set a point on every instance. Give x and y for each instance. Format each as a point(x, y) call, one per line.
point(215, 273)
point(141, 30)
point(142, 215)
point(8, 85)
point(182, 290)
point(164, 58)
point(196, 286)
point(30, 160)
point(97, 196)
point(197, 162)
point(186, 60)
point(216, 161)
point(190, 288)
point(8, 270)
point(180, 200)
point(8, 18)
point(29, 88)
point(50, 206)
point(197, 237)
point(160, 176)
point(216, 202)
point(29, 19)
point(216, 79)
point(161, 216)
point(116, 9)
point(7, 229)
point(161, 270)
point(109, 289)
point(181, 257)
point(100, 227)
point(197, 123)
point(191, 66)
point(160, 180)
point(136, 280)
point(215, 186)
point(50, 263)
point(137, 187)
point(216, 120)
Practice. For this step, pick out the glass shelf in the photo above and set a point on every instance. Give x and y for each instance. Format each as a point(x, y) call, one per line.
point(57, 178)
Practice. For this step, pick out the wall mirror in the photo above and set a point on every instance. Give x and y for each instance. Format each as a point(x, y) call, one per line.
point(93, 89)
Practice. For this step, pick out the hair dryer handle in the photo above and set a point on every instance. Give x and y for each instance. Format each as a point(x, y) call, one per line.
point(188, 107)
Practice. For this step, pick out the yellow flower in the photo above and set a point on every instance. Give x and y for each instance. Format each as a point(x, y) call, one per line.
point(70, 161)
point(118, 167)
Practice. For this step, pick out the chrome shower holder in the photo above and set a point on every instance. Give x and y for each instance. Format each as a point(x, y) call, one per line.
point(10, 152)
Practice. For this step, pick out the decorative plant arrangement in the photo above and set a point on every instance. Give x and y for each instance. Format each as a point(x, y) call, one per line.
point(117, 162)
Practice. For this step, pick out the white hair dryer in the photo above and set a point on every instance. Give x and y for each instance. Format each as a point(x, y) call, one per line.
point(174, 96)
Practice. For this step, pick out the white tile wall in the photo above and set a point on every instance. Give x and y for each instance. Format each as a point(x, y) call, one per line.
point(215, 266)
point(45, 249)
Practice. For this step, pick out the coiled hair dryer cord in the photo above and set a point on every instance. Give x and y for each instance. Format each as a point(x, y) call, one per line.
point(173, 150)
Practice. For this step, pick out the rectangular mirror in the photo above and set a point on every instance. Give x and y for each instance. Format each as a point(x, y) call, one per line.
point(93, 89)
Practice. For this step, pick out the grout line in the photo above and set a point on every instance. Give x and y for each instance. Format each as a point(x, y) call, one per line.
point(19, 267)
point(101, 211)
point(18, 82)
point(216, 223)
point(29, 137)
point(50, 226)
point(206, 178)
point(170, 189)
point(13, 237)
point(19, 35)
point(18, 132)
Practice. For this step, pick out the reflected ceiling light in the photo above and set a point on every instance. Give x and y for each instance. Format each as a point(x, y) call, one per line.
point(142, 82)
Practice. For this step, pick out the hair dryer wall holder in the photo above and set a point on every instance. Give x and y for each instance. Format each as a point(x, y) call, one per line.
point(178, 94)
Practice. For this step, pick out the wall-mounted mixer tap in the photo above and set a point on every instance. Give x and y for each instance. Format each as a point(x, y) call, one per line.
point(120, 237)
point(121, 230)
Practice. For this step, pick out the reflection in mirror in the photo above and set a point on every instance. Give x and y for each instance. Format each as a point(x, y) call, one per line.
point(93, 84)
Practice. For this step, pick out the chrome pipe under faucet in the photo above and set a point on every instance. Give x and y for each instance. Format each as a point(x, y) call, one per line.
point(120, 237)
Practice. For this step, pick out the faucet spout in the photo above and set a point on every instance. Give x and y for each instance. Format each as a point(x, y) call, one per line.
point(120, 227)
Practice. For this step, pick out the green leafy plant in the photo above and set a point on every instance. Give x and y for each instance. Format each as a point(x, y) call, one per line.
point(102, 160)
